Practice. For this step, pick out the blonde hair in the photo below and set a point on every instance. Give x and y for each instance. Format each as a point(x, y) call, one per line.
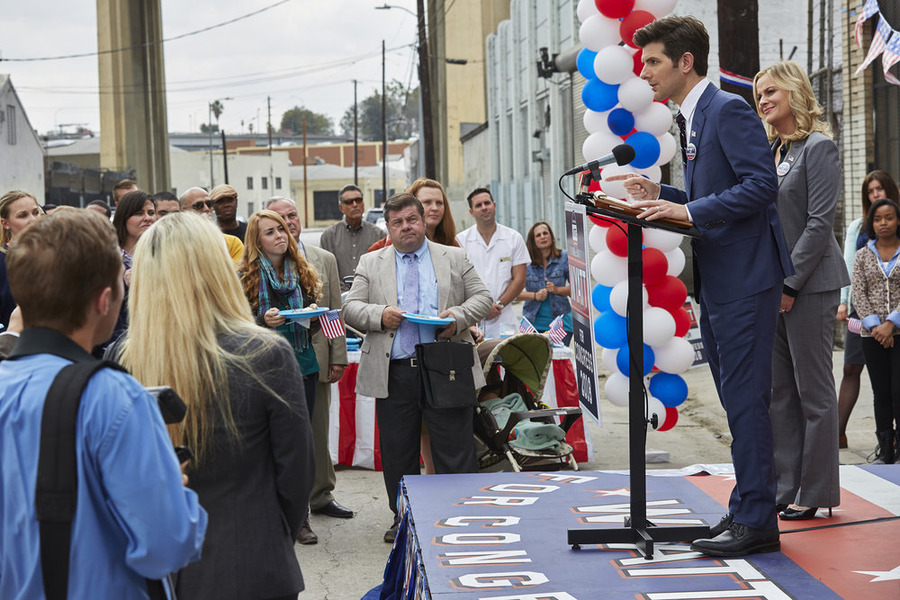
point(249, 266)
point(5, 202)
point(184, 257)
point(808, 113)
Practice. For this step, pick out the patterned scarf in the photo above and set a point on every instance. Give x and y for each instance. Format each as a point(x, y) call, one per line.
point(288, 289)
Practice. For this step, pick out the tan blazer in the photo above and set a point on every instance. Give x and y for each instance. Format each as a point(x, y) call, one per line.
point(460, 290)
point(328, 352)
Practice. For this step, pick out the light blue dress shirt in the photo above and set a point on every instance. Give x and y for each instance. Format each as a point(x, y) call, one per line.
point(428, 294)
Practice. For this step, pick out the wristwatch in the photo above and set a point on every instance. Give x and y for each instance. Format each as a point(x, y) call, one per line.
point(500, 303)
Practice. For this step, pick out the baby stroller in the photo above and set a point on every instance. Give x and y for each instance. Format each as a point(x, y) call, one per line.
point(519, 365)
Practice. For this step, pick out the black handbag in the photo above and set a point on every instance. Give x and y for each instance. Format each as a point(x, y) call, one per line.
point(446, 371)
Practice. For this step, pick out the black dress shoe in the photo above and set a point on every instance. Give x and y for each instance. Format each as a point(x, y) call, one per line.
point(333, 509)
point(794, 514)
point(780, 507)
point(721, 526)
point(739, 540)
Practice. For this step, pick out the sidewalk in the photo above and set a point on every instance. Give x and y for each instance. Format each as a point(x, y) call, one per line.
point(350, 556)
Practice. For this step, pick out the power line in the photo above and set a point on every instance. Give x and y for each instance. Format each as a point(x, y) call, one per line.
point(148, 44)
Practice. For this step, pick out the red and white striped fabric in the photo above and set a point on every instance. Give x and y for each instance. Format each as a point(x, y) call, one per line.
point(868, 10)
point(332, 326)
point(879, 41)
point(353, 434)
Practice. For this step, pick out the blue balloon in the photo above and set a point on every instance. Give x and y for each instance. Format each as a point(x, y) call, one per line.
point(622, 359)
point(600, 298)
point(620, 121)
point(668, 388)
point(646, 149)
point(599, 96)
point(585, 63)
point(609, 330)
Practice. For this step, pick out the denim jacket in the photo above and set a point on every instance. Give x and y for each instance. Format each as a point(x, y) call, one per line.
point(536, 276)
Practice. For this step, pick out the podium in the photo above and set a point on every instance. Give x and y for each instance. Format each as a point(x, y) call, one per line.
point(637, 530)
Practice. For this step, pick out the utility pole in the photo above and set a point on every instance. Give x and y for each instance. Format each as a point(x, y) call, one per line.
point(269, 100)
point(429, 141)
point(739, 43)
point(384, 150)
point(224, 155)
point(355, 137)
point(305, 200)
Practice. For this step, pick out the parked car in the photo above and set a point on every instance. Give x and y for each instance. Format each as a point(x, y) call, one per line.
point(376, 217)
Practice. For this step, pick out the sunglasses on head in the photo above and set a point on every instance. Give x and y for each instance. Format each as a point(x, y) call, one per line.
point(199, 205)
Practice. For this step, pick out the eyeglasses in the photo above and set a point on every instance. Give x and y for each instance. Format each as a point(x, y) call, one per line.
point(349, 201)
point(198, 206)
point(226, 199)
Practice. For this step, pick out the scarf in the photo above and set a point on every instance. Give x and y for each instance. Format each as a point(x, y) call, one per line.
point(290, 290)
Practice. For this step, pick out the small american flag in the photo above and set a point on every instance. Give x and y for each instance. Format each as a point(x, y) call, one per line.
point(525, 326)
point(868, 10)
point(882, 34)
point(556, 333)
point(891, 53)
point(332, 326)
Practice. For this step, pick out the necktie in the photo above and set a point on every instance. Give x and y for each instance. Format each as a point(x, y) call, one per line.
point(679, 118)
point(409, 331)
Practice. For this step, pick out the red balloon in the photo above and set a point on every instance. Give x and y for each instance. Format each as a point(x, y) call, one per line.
point(614, 9)
point(600, 221)
point(670, 293)
point(638, 63)
point(617, 241)
point(594, 186)
point(671, 419)
point(631, 23)
point(655, 266)
point(682, 322)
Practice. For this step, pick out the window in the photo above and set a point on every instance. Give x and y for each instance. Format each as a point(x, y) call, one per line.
point(249, 208)
point(265, 183)
point(249, 183)
point(11, 124)
point(278, 183)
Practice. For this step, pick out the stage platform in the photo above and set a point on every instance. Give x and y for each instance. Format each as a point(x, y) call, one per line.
point(502, 536)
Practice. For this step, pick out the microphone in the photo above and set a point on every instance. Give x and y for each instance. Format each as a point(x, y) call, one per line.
point(622, 155)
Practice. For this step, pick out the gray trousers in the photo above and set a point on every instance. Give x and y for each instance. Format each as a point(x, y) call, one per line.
point(323, 485)
point(804, 403)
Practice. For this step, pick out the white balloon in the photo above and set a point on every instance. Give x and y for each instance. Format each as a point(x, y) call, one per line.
point(618, 298)
point(662, 240)
point(653, 173)
point(635, 95)
point(608, 269)
point(608, 358)
point(657, 8)
point(676, 356)
point(597, 32)
point(655, 407)
point(667, 147)
point(615, 189)
point(599, 144)
point(656, 119)
point(676, 261)
point(614, 64)
point(616, 388)
point(597, 238)
point(659, 326)
point(595, 122)
point(586, 9)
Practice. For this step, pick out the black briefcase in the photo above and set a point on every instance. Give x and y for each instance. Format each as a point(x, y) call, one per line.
point(446, 370)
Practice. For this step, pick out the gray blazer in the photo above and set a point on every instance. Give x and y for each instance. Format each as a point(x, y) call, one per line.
point(807, 197)
point(460, 290)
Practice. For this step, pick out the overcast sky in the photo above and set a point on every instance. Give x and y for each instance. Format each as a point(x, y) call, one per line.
point(302, 52)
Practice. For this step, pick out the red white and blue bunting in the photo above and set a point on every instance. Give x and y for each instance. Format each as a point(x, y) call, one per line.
point(885, 42)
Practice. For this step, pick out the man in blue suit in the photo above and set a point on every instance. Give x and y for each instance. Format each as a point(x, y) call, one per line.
point(740, 261)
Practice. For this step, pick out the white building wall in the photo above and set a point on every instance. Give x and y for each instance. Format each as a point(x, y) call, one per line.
point(21, 155)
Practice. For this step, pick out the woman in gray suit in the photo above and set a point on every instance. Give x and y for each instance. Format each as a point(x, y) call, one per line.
point(804, 402)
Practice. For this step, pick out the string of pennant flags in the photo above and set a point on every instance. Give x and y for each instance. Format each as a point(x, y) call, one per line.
point(885, 42)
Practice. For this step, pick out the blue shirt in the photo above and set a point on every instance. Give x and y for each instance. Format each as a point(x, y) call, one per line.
point(134, 518)
point(428, 294)
point(540, 314)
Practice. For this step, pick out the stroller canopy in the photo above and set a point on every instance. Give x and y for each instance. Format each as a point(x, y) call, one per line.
point(525, 355)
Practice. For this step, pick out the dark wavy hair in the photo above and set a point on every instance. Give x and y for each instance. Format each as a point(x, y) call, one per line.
point(533, 250)
point(869, 226)
point(130, 204)
point(886, 181)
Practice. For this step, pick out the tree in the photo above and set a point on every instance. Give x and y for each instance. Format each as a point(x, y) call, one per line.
point(204, 128)
point(316, 123)
point(402, 114)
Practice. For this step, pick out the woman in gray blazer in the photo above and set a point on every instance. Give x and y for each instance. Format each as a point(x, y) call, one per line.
point(247, 421)
point(804, 402)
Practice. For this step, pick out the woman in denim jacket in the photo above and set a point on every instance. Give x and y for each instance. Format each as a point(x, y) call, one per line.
point(546, 293)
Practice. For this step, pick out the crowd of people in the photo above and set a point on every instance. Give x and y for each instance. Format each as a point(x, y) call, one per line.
point(182, 293)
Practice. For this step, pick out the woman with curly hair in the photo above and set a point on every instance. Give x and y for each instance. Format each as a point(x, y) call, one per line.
point(276, 277)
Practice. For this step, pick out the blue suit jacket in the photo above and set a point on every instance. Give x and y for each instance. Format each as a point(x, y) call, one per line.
point(732, 187)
